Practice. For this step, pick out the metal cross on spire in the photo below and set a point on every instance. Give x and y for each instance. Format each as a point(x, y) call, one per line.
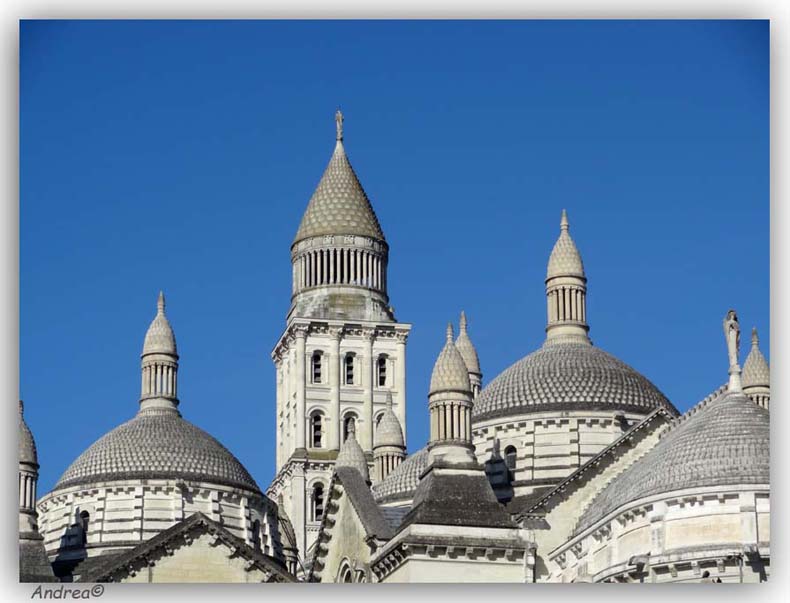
point(339, 124)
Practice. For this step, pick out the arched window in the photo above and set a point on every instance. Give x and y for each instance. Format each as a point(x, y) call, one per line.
point(381, 370)
point(316, 430)
point(317, 502)
point(349, 421)
point(510, 458)
point(346, 576)
point(377, 420)
point(256, 535)
point(348, 373)
point(84, 521)
point(317, 365)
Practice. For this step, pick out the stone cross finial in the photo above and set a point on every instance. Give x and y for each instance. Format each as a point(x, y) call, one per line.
point(564, 225)
point(339, 124)
point(732, 332)
point(160, 303)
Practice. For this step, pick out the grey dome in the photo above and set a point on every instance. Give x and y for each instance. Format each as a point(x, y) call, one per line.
point(568, 375)
point(160, 338)
point(402, 482)
point(27, 445)
point(339, 205)
point(722, 441)
point(450, 373)
point(157, 444)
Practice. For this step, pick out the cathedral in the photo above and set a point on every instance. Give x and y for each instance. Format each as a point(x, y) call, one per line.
point(569, 466)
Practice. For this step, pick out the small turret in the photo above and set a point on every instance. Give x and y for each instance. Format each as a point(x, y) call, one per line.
point(352, 456)
point(159, 363)
point(389, 448)
point(756, 377)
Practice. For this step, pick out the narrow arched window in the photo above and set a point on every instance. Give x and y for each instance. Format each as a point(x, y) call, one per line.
point(349, 423)
point(381, 370)
point(84, 521)
point(317, 366)
point(316, 430)
point(346, 575)
point(349, 369)
point(510, 458)
point(318, 502)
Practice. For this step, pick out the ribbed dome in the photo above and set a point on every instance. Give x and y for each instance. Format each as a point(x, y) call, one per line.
point(157, 444)
point(339, 205)
point(568, 376)
point(27, 445)
point(389, 431)
point(160, 339)
point(755, 369)
point(450, 373)
point(721, 442)
point(402, 482)
point(352, 456)
point(565, 259)
point(467, 349)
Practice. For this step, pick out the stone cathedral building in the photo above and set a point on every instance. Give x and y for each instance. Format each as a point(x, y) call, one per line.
point(569, 466)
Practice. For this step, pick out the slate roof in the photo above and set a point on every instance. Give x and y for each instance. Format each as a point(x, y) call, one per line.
point(103, 571)
point(568, 375)
point(361, 498)
point(339, 205)
point(34, 564)
point(401, 483)
point(157, 444)
point(722, 441)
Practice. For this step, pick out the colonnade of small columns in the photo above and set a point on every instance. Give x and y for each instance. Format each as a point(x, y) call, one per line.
point(450, 420)
point(159, 379)
point(340, 266)
point(27, 490)
point(385, 462)
point(567, 303)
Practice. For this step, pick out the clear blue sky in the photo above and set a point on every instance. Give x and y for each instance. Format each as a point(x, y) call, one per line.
point(181, 156)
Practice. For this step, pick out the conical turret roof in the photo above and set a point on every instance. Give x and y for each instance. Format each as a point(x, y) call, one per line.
point(467, 348)
point(565, 259)
point(160, 339)
point(339, 205)
point(27, 445)
point(352, 456)
point(389, 432)
point(755, 369)
point(450, 372)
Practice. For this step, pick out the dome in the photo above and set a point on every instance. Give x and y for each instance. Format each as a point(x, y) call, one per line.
point(339, 205)
point(568, 375)
point(27, 445)
point(722, 441)
point(402, 482)
point(450, 373)
point(352, 456)
point(755, 369)
point(389, 431)
point(467, 349)
point(565, 259)
point(157, 444)
point(160, 339)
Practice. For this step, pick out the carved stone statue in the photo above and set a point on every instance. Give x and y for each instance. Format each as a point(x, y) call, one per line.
point(732, 332)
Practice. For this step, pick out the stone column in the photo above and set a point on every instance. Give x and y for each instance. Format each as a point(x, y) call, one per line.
point(400, 380)
point(334, 424)
point(367, 386)
point(301, 335)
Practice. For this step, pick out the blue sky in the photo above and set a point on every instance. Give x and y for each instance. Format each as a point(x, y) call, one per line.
point(181, 156)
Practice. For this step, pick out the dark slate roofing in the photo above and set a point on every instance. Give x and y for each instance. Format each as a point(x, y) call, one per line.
point(34, 564)
point(362, 500)
point(394, 515)
point(722, 441)
point(568, 376)
point(402, 482)
point(339, 205)
point(457, 499)
point(102, 572)
point(158, 444)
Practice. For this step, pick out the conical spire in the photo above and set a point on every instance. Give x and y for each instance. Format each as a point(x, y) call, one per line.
point(565, 259)
point(160, 339)
point(755, 369)
point(450, 372)
point(566, 291)
point(466, 347)
point(27, 445)
point(352, 456)
point(339, 205)
point(389, 431)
